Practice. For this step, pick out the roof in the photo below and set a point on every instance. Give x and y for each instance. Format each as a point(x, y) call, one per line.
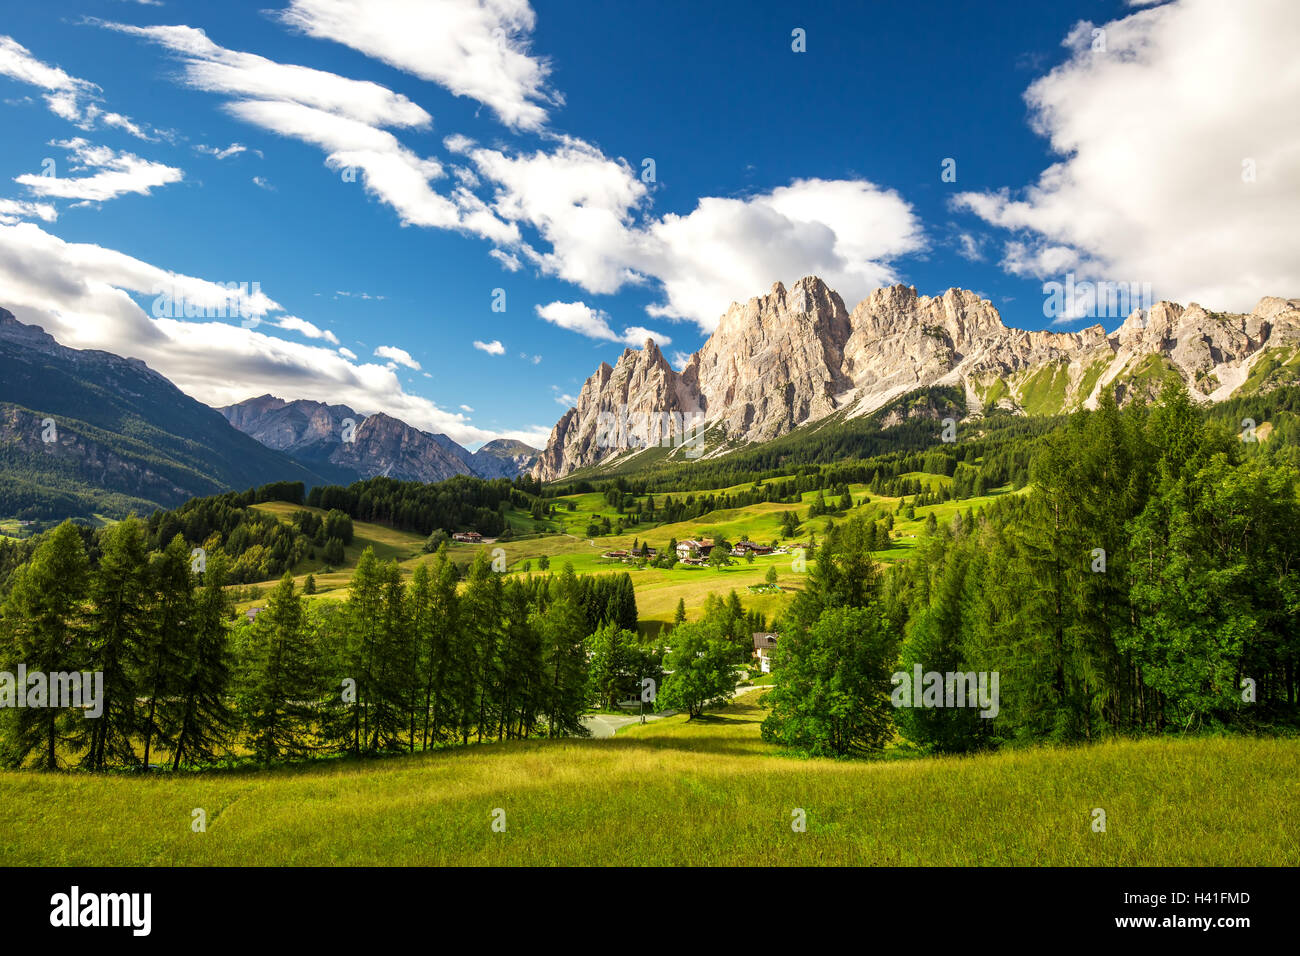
point(764, 639)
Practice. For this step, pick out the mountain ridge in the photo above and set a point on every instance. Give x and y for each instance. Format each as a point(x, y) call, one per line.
point(793, 356)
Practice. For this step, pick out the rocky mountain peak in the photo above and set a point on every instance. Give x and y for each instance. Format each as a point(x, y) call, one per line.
point(795, 355)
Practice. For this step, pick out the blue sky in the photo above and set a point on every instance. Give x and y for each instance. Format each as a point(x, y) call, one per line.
point(381, 168)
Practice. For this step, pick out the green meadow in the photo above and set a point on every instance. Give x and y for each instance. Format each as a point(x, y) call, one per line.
point(674, 792)
point(658, 591)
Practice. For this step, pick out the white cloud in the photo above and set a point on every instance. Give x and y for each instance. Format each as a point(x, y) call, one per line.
point(475, 48)
point(67, 96)
point(580, 201)
point(13, 210)
point(1153, 133)
point(727, 250)
point(586, 207)
point(398, 356)
point(348, 354)
point(680, 360)
point(308, 329)
point(119, 173)
point(80, 293)
point(263, 183)
point(594, 323)
point(466, 408)
point(491, 348)
point(210, 67)
point(345, 118)
point(969, 247)
point(234, 149)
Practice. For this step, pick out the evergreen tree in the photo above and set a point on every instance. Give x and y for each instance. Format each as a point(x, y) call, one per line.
point(199, 721)
point(165, 642)
point(42, 625)
point(120, 621)
point(276, 702)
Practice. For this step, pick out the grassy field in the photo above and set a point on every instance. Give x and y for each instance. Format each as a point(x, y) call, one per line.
point(657, 590)
point(678, 793)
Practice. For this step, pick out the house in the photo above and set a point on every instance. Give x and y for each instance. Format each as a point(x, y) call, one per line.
point(748, 547)
point(471, 537)
point(252, 613)
point(645, 551)
point(693, 549)
point(615, 555)
point(764, 644)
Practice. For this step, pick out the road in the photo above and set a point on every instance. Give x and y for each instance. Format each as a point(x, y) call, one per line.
point(607, 725)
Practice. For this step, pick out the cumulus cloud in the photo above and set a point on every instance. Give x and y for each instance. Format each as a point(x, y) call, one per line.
point(848, 232)
point(118, 174)
point(491, 348)
point(1180, 156)
point(397, 356)
point(83, 294)
point(308, 329)
point(474, 48)
point(68, 97)
point(15, 210)
point(594, 323)
point(590, 211)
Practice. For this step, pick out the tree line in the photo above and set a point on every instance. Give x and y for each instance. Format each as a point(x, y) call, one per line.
point(399, 666)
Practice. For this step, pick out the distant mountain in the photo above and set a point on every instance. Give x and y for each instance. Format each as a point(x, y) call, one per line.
point(84, 431)
point(346, 446)
point(504, 458)
point(796, 356)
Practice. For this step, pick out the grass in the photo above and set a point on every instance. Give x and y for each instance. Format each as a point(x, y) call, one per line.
point(1043, 392)
point(716, 793)
point(658, 590)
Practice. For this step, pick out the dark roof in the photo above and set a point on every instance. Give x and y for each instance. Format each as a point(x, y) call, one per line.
point(764, 639)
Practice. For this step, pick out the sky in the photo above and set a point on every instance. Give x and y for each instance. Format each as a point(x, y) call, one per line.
point(453, 210)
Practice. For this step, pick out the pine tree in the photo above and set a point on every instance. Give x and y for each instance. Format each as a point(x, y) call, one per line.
point(200, 720)
point(162, 659)
point(42, 625)
point(563, 630)
point(279, 685)
point(120, 621)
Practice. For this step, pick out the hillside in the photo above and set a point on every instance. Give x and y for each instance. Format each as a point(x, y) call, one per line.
point(122, 438)
point(717, 793)
point(797, 356)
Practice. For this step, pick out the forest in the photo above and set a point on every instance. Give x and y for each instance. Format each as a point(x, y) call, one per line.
point(1148, 581)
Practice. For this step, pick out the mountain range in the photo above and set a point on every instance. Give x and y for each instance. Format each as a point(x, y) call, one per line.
point(796, 356)
point(84, 431)
point(345, 446)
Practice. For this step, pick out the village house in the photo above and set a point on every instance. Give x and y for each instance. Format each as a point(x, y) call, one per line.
point(764, 644)
point(748, 547)
point(691, 551)
point(472, 537)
